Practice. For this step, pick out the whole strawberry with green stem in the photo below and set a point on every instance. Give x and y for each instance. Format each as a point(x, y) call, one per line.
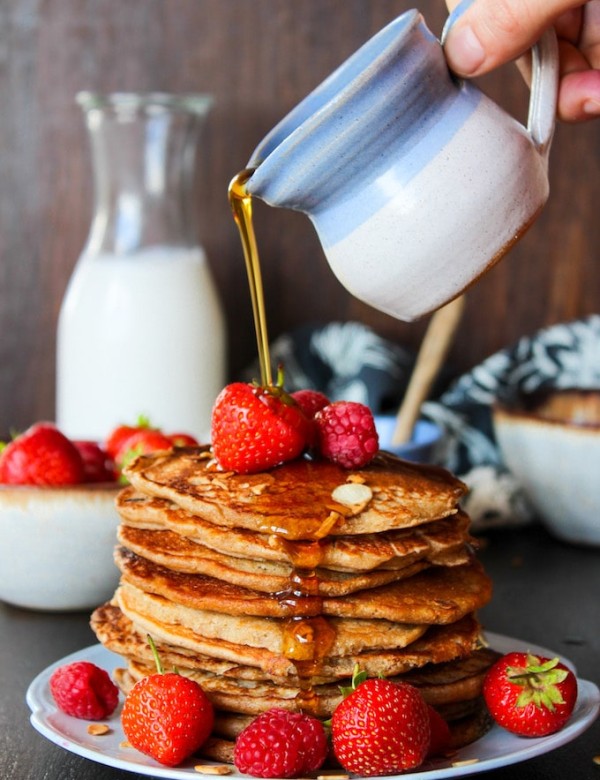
point(167, 716)
point(256, 427)
point(142, 442)
point(119, 435)
point(381, 727)
point(530, 695)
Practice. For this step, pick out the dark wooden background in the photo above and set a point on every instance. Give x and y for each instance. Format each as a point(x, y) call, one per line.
point(258, 58)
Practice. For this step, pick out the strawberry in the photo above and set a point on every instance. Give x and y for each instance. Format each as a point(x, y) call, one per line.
point(41, 455)
point(98, 466)
point(140, 443)
point(255, 428)
point(346, 434)
point(280, 743)
point(439, 742)
point(167, 716)
point(380, 727)
point(530, 695)
point(117, 438)
point(182, 440)
point(84, 690)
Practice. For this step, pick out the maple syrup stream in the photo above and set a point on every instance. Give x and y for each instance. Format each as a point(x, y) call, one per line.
point(241, 205)
point(308, 635)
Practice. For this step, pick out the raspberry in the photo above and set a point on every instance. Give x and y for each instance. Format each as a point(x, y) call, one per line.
point(279, 743)
point(83, 690)
point(346, 433)
point(310, 401)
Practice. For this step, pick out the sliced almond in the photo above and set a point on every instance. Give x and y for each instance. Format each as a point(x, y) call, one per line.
point(334, 776)
point(353, 494)
point(359, 479)
point(98, 729)
point(466, 762)
point(332, 519)
point(213, 769)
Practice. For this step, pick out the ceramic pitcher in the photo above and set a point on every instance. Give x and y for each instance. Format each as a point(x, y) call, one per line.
point(416, 182)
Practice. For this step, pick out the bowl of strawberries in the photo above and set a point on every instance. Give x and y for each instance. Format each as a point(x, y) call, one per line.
point(58, 520)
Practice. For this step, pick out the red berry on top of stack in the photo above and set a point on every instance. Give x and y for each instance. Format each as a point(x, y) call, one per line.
point(255, 428)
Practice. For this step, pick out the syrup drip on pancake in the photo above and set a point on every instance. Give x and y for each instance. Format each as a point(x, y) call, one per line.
point(308, 635)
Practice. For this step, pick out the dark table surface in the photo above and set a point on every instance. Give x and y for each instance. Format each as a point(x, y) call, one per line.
point(546, 593)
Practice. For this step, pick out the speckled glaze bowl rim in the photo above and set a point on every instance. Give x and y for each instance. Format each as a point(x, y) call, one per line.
point(83, 488)
point(516, 410)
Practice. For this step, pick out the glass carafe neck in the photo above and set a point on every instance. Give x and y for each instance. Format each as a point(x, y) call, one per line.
point(143, 155)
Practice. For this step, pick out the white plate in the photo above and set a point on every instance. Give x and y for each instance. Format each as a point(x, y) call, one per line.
point(497, 748)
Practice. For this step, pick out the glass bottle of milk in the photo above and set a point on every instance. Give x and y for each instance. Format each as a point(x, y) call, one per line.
point(141, 329)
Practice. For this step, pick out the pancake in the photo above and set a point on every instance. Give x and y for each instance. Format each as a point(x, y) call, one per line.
point(345, 636)
point(178, 645)
point(438, 595)
point(442, 542)
point(295, 500)
point(445, 683)
point(176, 553)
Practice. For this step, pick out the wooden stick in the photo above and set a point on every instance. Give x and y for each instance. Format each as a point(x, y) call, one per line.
point(432, 353)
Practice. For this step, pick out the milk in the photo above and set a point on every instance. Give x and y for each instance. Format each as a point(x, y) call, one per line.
point(140, 333)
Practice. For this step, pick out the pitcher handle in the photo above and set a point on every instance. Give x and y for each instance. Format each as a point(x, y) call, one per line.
point(541, 119)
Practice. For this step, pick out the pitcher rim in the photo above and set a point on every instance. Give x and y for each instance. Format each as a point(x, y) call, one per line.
point(407, 21)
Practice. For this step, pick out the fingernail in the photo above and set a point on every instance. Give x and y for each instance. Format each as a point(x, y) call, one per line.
point(592, 107)
point(464, 51)
point(455, 14)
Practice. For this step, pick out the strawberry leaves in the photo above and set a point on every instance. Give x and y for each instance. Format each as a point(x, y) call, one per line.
point(539, 681)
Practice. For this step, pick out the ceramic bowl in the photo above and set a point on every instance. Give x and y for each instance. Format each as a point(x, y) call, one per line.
point(56, 546)
point(551, 444)
point(423, 446)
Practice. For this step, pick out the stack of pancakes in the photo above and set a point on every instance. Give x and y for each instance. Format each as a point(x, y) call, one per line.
point(269, 589)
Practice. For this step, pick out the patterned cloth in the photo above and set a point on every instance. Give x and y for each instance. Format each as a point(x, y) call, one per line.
point(348, 361)
point(559, 357)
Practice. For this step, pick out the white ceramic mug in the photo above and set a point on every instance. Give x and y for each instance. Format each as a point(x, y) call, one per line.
point(416, 182)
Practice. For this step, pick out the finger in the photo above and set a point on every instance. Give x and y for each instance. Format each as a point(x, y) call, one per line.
point(484, 34)
point(579, 96)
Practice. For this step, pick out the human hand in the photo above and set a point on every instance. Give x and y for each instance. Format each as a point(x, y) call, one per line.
point(481, 35)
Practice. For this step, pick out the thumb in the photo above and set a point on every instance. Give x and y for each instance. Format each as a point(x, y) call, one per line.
point(480, 35)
